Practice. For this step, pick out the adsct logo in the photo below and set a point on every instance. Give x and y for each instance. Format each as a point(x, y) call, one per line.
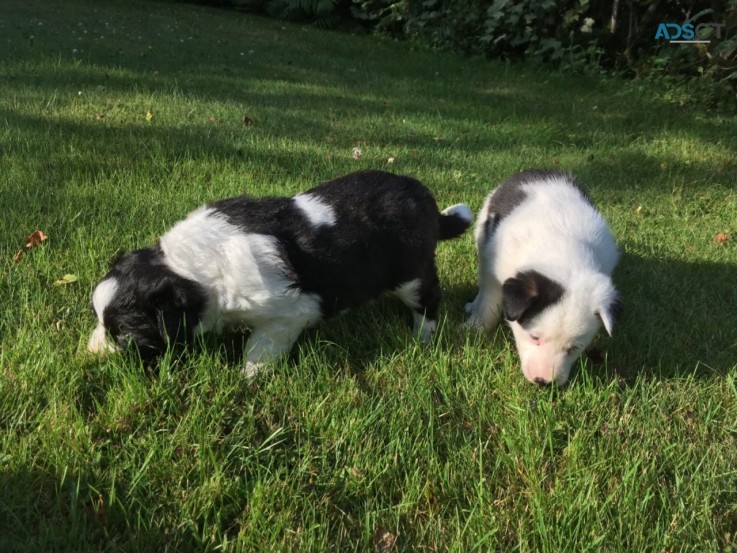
point(688, 33)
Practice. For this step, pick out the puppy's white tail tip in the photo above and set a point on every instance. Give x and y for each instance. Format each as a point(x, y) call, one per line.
point(454, 221)
point(459, 210)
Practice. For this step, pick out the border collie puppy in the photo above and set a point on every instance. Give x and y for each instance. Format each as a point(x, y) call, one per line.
point(545, 260)
point(279, 265)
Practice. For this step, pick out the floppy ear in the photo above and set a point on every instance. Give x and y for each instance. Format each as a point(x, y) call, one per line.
point(178, 304)
point(167, 303)
point(610, 313)
point(517, 297)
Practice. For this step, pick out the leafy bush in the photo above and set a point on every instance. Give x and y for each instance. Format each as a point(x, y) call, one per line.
point(575, 35)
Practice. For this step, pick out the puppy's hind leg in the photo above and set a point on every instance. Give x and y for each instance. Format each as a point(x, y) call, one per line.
point(485, 310)
point(422, 295)
point(268, 342)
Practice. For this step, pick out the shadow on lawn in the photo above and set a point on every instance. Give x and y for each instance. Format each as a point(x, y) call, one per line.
point(41, 511)
point(678, 318)
point(683, 315)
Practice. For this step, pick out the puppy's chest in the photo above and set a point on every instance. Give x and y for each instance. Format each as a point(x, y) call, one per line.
point(226, 309)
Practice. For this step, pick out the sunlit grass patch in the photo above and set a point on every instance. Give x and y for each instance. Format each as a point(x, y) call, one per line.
point(117, 119)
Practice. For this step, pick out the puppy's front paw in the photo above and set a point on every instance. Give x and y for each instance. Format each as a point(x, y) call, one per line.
point(473, 322)
point(472, 305)
point(424, 328)
point(479, 321)
point(252, 370)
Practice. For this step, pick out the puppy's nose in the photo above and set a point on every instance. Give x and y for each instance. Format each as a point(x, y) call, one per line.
point(542, 382)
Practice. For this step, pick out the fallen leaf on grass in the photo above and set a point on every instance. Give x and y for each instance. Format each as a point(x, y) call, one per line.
point(35, 238)
point(247, 120)
point(721, 238)
point(357, 153)
point(66, 279)
point(149, 115)
point(383, 541)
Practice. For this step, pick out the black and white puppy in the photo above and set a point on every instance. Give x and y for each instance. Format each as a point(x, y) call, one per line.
point(279, 265)
point(545, 260)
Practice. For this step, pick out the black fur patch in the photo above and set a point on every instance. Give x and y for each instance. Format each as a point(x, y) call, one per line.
point(510, 194)
point(152, 304)
point(452, 226)
point(385, 234)
point(507, 197)
point(528, 294)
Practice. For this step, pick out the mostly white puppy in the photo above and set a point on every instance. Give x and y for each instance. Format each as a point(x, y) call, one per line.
point(545, 260)
point(279, 265)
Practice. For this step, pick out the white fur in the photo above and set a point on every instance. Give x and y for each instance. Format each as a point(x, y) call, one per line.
point(409, 293)
point(316, 211)
point(245, 281)
point(556, 232)
point(99, 342)
point(459, 210)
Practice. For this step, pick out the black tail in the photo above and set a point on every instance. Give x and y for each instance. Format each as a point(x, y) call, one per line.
point(454, 221)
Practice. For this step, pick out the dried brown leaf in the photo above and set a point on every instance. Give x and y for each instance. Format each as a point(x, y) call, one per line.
point(721, 238)
point(36, 237)
point(247, 120)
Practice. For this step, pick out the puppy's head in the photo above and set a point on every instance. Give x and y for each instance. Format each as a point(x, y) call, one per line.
point(142, 303)
point(553, 324)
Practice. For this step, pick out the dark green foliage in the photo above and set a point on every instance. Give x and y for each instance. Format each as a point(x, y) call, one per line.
point(574, 35)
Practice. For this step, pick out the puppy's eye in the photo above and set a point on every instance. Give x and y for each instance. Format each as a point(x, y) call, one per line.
point(535, 339)
point(571, 350)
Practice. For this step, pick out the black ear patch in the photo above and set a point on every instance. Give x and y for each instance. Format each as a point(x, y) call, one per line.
point(153, 307)
point(178, 303)
point(528, 294)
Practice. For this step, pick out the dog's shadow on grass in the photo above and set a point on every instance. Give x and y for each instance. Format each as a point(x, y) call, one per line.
point(353, 341)
point(680, 318)
point(363, 339)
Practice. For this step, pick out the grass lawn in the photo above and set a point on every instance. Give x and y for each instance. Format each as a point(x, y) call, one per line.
point(117, 118)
